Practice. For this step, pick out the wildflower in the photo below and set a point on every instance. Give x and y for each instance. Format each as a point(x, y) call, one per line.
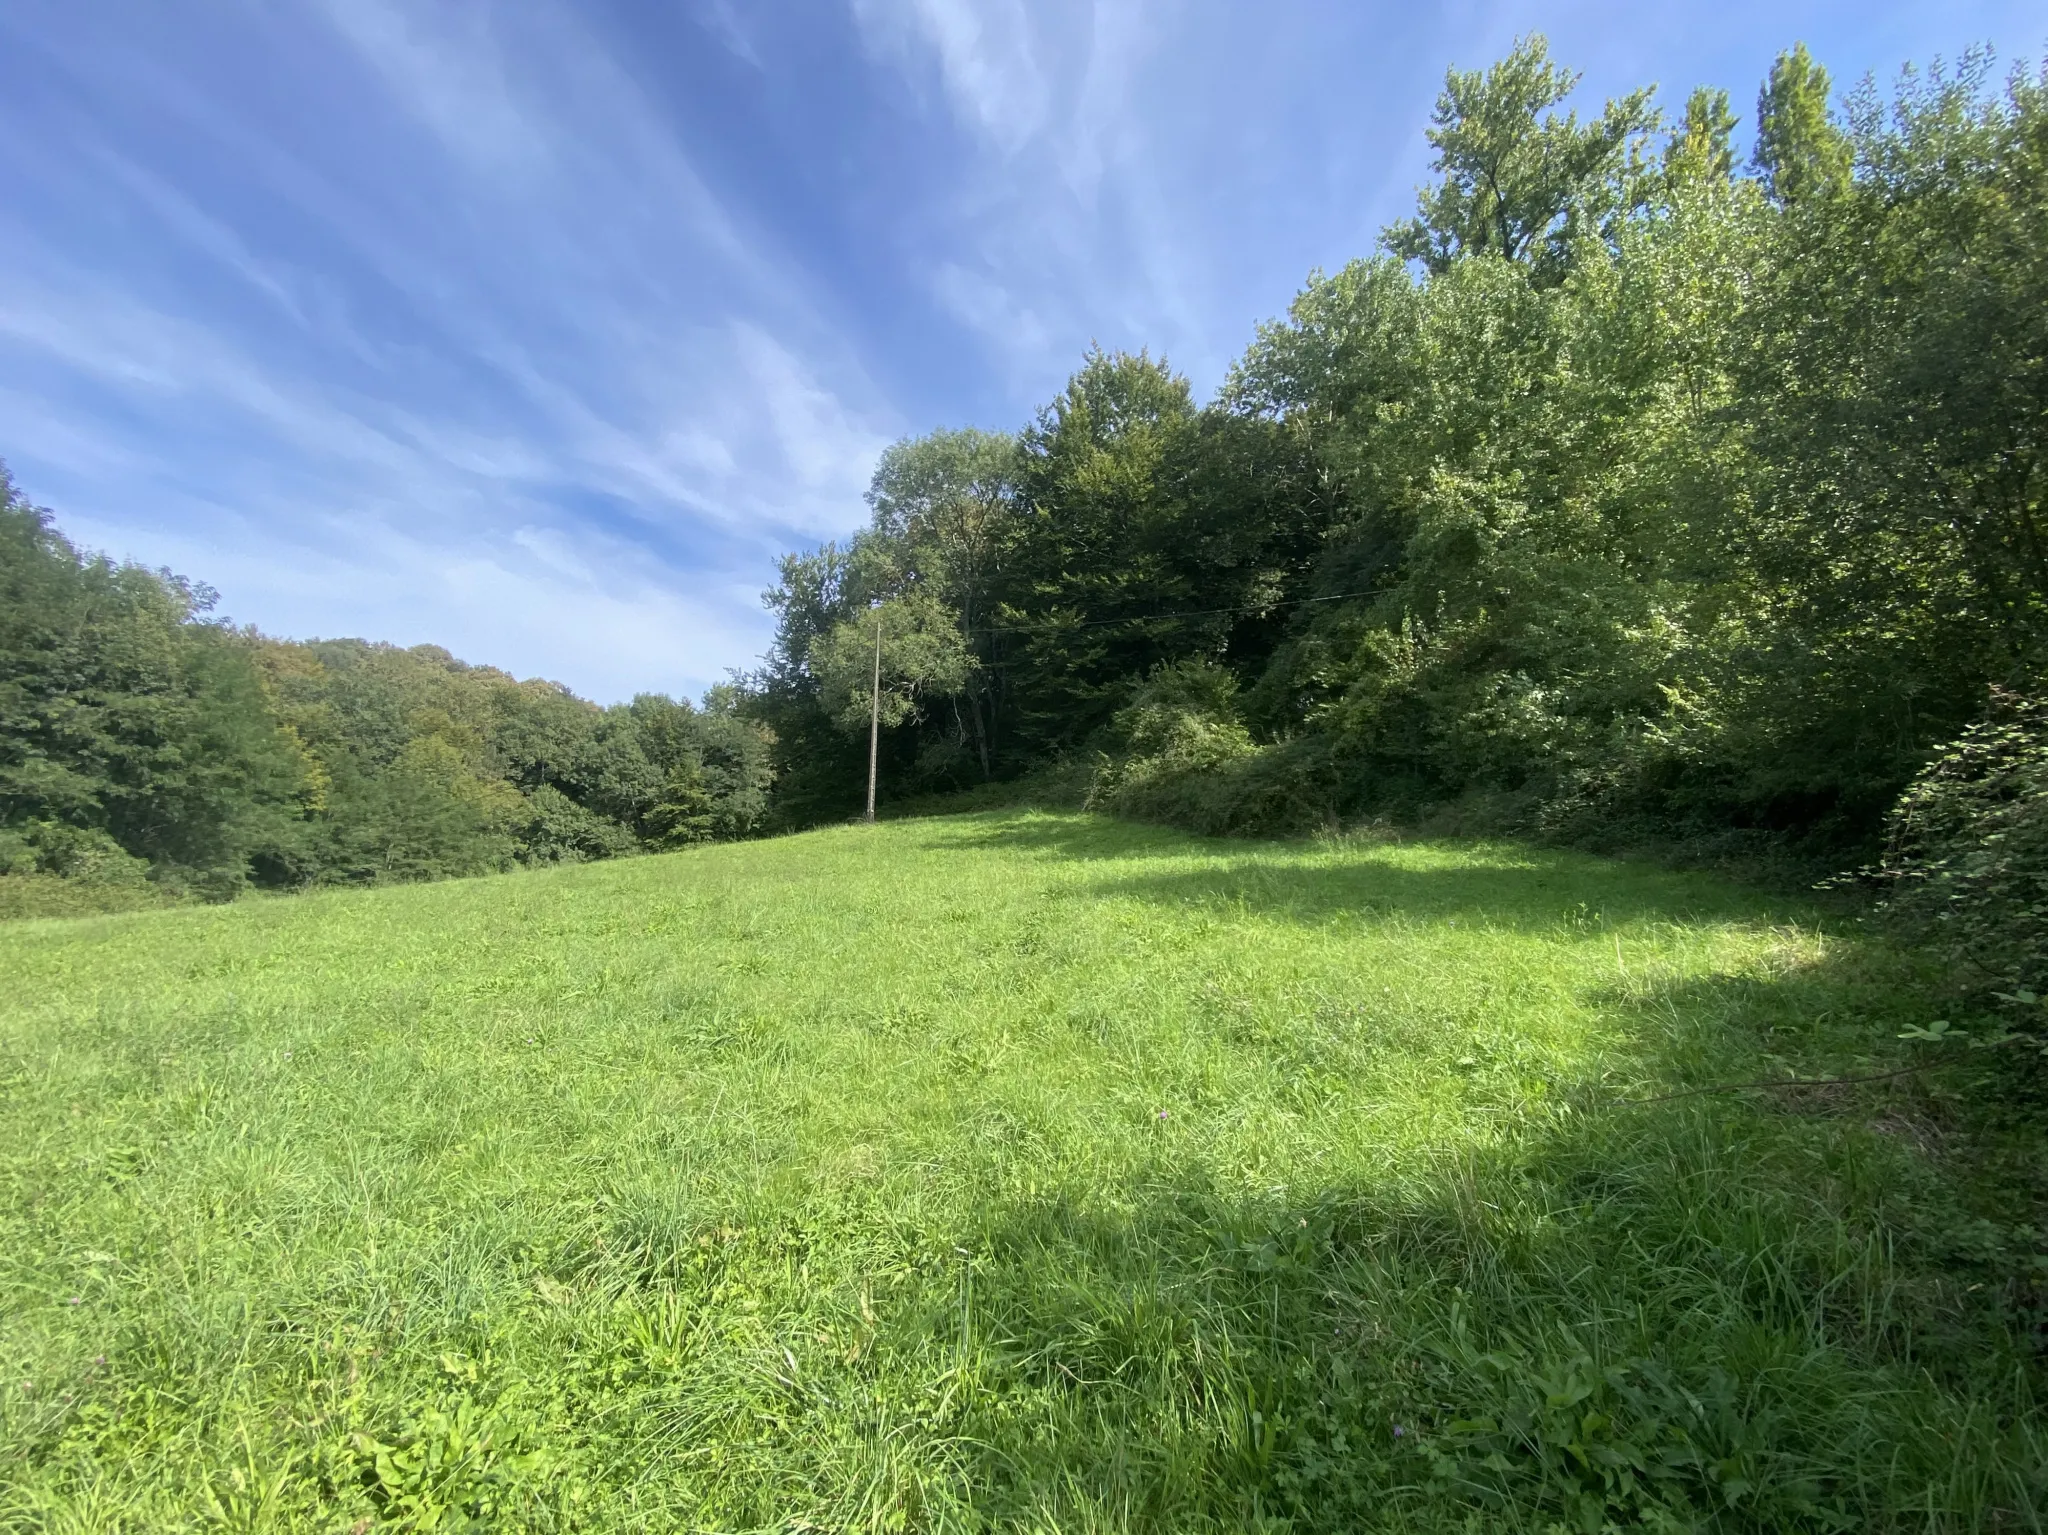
point(76, 1300)
point(1162, 1113)
point(1399, 1431)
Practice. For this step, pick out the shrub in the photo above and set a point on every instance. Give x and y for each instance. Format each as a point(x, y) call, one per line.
point(50, 869)
point(1187, 760)
point(1966, 851)
point(558, 830)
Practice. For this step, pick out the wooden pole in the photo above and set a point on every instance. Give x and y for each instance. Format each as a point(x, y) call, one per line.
point(875, 716)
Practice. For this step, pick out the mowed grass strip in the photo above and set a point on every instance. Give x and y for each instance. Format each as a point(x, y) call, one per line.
point(1017, 1171)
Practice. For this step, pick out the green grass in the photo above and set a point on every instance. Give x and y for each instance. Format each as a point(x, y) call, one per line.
point(1009, 1171)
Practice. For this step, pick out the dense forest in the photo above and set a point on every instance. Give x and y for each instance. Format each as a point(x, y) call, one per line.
point(147, 753)
point(1630, 491)
point(1621, 486)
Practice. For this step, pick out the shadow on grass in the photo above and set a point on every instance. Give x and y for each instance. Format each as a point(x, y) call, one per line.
point(1727, 1314)
point(1063, 834)
point(1698, 1316)
point(1532, 890)
point(1771, 1312)
point(1506, 885)
point(1759, 1313)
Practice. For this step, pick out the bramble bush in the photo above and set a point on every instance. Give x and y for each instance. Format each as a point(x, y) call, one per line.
point(1185, 758)
point(1966, 852)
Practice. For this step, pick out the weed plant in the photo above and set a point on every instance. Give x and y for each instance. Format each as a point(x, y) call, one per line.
point(1018, 1170)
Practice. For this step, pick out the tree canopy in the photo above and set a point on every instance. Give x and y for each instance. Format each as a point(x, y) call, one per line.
point(1626, 489)
point(147, 749)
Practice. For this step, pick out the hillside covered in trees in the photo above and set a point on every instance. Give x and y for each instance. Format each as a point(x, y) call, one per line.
point(1629, 491)
point(146, 752)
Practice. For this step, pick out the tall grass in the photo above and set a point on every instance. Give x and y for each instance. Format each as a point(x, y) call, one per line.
point(1020, 1171)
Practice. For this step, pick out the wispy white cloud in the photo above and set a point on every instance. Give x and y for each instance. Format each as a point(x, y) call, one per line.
point(992, 311)
point(500, 326)
point(445, 65)
point(830, 451)
point(576, 347)
point(599, 615)
point(730, 416)
point(985, 52)
point(195, 376)
point(722, 21)
point(455, 514)
point(1061, 232)
point(184, 220)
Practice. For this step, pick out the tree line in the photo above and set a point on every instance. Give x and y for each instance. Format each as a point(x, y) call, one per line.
point(1627, 490)
point(147, 752)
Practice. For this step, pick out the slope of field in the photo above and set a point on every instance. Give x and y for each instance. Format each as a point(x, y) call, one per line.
point(1011, 1171)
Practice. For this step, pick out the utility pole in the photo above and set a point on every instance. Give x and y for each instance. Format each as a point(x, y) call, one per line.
point(875, 716)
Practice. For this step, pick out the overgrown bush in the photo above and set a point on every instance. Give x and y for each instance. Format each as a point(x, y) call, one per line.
point(85, 854)
point(1184, 757)
point(1966, 854)
point(49, 869)
point(558, 830)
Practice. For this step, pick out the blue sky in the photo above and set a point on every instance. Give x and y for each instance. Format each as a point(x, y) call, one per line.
point(535, 329)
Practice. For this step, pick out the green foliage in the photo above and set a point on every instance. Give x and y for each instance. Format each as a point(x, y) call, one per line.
point(1627, 497)
point(1518, 184)
point(818, 768)
point(1719, 530)
point(86, 854)
point(54, 869)
point(555, 829)
point(998, 1172)
point(737, 757)
point(1617, 1446)
point(1149, 1184)
point(1800, 153)
point(426, 814)
point(432, 768)
point(1094, 552)
point(1878, 492)
point(455, 1466)
point(1701, 150)
point(1515, 618)
point(1066, 562)
point(136, 739)
point(1966, 852)
point(941, 514)
point(124, 716)
point(1645, 501)
point(913, 642)
point(1184, 757)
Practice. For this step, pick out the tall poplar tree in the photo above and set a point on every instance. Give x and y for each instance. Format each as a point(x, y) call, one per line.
point(1800, 153)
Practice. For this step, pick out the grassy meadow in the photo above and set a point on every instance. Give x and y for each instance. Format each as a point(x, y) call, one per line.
point(1017, 1170)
